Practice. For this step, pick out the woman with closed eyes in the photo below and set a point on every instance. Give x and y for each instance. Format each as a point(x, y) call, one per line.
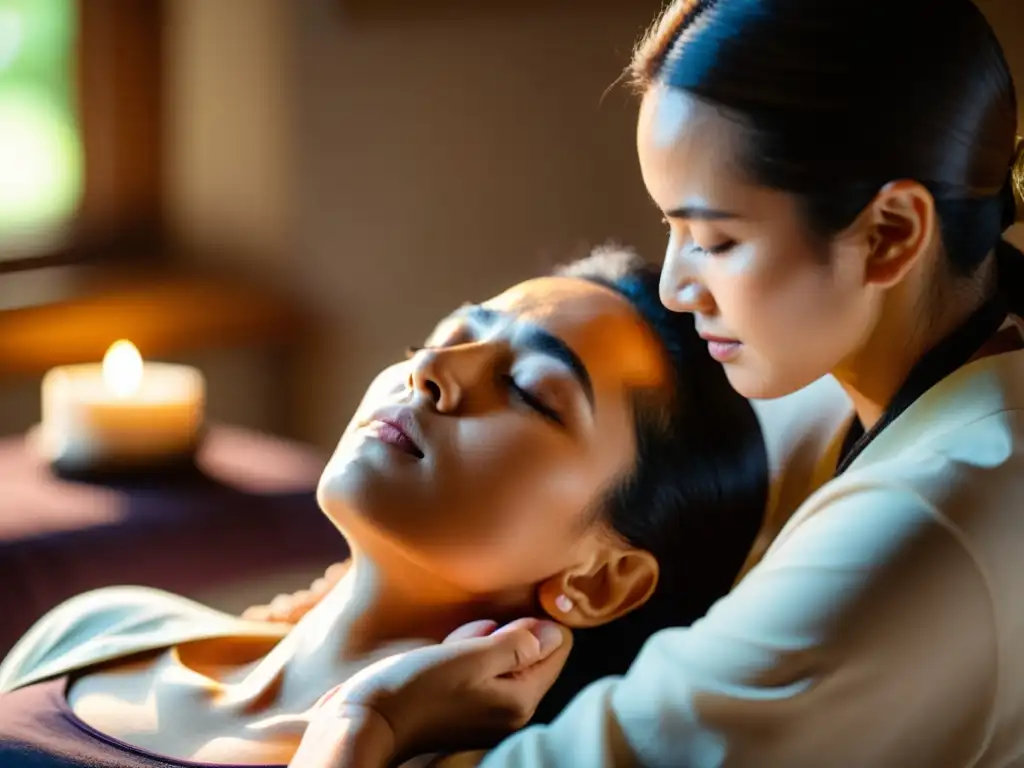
point(565, 448)
point(838, 178)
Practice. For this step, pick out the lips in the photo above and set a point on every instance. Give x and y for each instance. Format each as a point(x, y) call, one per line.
point(712, 339)
point(721, 348)
point(397, 427)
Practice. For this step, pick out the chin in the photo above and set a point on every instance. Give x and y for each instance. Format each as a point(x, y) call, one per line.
point(350, 488)
point(361, 500)
point(363, 469)
point(755, 383)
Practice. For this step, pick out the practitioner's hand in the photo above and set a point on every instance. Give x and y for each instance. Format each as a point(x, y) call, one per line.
point(468, 692)
point(288, 609)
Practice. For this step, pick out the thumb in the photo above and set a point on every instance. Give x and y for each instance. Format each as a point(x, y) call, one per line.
point(527, 686)
point(519, 645)
point(480, 628)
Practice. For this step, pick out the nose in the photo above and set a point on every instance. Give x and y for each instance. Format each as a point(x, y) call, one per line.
point(680, 287)
point(446, 374)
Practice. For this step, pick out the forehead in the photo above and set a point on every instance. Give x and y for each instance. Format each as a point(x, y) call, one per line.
point(600, 326)
point(686, 149)
point(690, 154)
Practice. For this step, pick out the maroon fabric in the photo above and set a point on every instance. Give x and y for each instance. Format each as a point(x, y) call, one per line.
point(249, 509)
point(39, 730)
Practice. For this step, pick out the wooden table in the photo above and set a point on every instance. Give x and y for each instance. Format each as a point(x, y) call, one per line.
point(249, 510)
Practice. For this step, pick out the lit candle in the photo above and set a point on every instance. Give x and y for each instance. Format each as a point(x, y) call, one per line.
point(122, 413)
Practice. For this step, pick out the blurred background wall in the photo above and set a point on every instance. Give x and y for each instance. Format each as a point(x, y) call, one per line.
point(391, 166)
point(376, 164)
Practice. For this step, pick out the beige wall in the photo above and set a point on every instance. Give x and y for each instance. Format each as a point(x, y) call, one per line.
point(389, 170)
point(446, 160)
point(386, 171)
point(231, 141)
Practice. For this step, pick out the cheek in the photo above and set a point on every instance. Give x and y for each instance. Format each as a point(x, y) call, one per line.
point(506, 487)
point(521, 546)
point(798, 318)
point(812, 304)
point(515, 515)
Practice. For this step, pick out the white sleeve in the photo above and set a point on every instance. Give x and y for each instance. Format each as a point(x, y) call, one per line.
point(865, 638)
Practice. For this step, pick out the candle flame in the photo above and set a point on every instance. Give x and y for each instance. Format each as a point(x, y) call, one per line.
point(122, 368)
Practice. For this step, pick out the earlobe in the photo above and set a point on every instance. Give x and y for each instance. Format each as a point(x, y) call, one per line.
point(902, 225)
point(606, 586)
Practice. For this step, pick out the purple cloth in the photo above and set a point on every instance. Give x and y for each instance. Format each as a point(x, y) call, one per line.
point(248, 510)
point(39, 730)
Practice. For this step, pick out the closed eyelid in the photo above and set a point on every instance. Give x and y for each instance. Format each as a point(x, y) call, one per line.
point(527, 337)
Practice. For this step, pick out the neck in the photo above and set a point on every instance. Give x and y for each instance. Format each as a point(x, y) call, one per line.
point(382, 606)
point(900, 339)
point(379, 603)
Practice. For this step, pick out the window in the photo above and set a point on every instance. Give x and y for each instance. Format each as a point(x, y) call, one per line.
point(40, 143)
point(80, 130)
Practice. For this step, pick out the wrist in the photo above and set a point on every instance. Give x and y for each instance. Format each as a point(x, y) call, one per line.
point(371, 738)
point(352, 737)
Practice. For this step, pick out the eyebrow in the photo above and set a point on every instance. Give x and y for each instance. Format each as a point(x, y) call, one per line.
point(699, 213)
point(538, 340)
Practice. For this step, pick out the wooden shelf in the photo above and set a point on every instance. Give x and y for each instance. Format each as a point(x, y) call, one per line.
point(72, 314)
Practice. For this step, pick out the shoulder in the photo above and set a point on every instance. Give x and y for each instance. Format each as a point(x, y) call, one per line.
point(863, 521)
point(952, 458)
point(967, 478)
point(112, 623)
point(872, 576)
point(908, 550)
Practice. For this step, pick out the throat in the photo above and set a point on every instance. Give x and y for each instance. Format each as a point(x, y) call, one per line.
point(371, 614)
point(378, 604)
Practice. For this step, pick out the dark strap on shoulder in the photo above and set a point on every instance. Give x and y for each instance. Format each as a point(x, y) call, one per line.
point(940, 361)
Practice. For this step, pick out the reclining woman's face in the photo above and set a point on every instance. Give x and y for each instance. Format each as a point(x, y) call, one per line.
point(483, 456)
